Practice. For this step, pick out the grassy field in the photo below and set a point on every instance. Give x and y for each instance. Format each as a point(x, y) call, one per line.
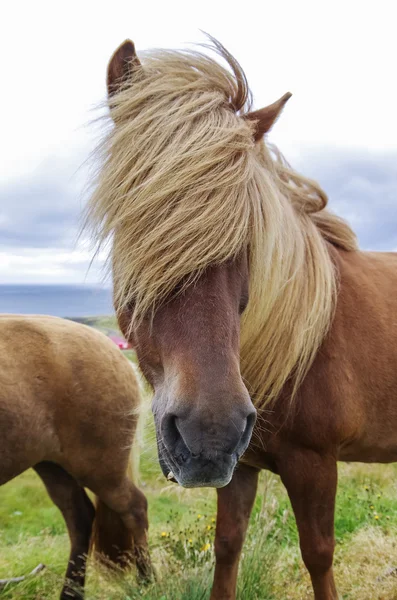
point(181, 538)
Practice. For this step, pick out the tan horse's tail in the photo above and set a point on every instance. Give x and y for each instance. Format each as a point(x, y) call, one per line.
point(111, 541)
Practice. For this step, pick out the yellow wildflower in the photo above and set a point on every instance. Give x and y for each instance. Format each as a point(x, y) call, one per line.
point(205, 547)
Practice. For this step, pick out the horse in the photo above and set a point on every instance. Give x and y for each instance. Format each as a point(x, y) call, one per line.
point(69, 404)
point(269, 339)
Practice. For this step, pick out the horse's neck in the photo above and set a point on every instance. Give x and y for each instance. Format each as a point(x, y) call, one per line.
point(367, 282)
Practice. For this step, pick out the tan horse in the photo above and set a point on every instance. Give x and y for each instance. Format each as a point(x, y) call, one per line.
point(235, 283)
point(69, 405)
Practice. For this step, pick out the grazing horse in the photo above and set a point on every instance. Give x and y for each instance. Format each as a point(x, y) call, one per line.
point(242, 294)
point(69, 404)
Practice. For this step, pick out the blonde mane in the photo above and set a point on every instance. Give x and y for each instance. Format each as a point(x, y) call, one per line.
point(183, 186)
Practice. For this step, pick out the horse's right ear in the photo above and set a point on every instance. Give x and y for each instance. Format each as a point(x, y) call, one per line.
point(265, 118)
point(123, 62)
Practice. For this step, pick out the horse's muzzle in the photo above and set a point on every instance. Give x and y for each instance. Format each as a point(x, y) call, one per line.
point(196, 455)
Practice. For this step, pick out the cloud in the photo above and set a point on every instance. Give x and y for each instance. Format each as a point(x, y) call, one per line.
point(51, 265)
point(42, 209)
point(362, 188)
point(40, 218)
point(40, 213)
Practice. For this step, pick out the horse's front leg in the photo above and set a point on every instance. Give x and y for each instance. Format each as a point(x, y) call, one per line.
point(235, 503)
point(311, 480)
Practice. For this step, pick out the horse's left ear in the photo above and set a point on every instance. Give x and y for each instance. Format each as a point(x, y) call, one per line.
point(266, 117)
point(121, 65)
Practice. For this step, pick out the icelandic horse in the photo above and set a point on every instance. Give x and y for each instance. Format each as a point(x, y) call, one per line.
point(69, 406)
point(243, 295)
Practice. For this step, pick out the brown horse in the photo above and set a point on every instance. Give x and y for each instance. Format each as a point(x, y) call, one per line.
point(69, 405)
point(233, 282)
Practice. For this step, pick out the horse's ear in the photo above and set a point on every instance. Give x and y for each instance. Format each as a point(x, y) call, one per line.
point(266, 117)
point(121, 65)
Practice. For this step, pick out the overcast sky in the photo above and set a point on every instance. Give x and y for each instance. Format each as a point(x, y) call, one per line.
point(337, 58)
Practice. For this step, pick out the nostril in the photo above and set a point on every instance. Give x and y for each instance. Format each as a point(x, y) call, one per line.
point(173, 439)
point(169, 430)
point(251, 419)
point(245, 438)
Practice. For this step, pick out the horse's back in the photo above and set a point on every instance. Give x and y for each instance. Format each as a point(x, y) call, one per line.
point(54, 356)
point(66, 390)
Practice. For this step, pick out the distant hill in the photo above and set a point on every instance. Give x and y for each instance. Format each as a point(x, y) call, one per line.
point(101, 323)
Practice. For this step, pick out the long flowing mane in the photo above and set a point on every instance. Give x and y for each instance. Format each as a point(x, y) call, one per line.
point(182, 186)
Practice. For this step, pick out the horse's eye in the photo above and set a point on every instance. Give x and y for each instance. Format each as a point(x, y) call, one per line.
point(243, 304)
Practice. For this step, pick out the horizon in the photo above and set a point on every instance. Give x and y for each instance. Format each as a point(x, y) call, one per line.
point(60, 300)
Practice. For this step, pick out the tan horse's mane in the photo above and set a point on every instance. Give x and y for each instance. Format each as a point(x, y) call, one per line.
point(183, 186)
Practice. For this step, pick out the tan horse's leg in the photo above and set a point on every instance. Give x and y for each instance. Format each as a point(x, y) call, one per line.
point(125, 499)
point(235, 503)
point(311, 481)
point(78, 512)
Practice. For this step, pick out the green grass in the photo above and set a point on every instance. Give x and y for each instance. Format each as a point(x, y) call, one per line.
point(181, 539)
point(181, 532)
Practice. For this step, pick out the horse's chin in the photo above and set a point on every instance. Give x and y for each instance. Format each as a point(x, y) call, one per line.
point(196, 475)
point(167, 472)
